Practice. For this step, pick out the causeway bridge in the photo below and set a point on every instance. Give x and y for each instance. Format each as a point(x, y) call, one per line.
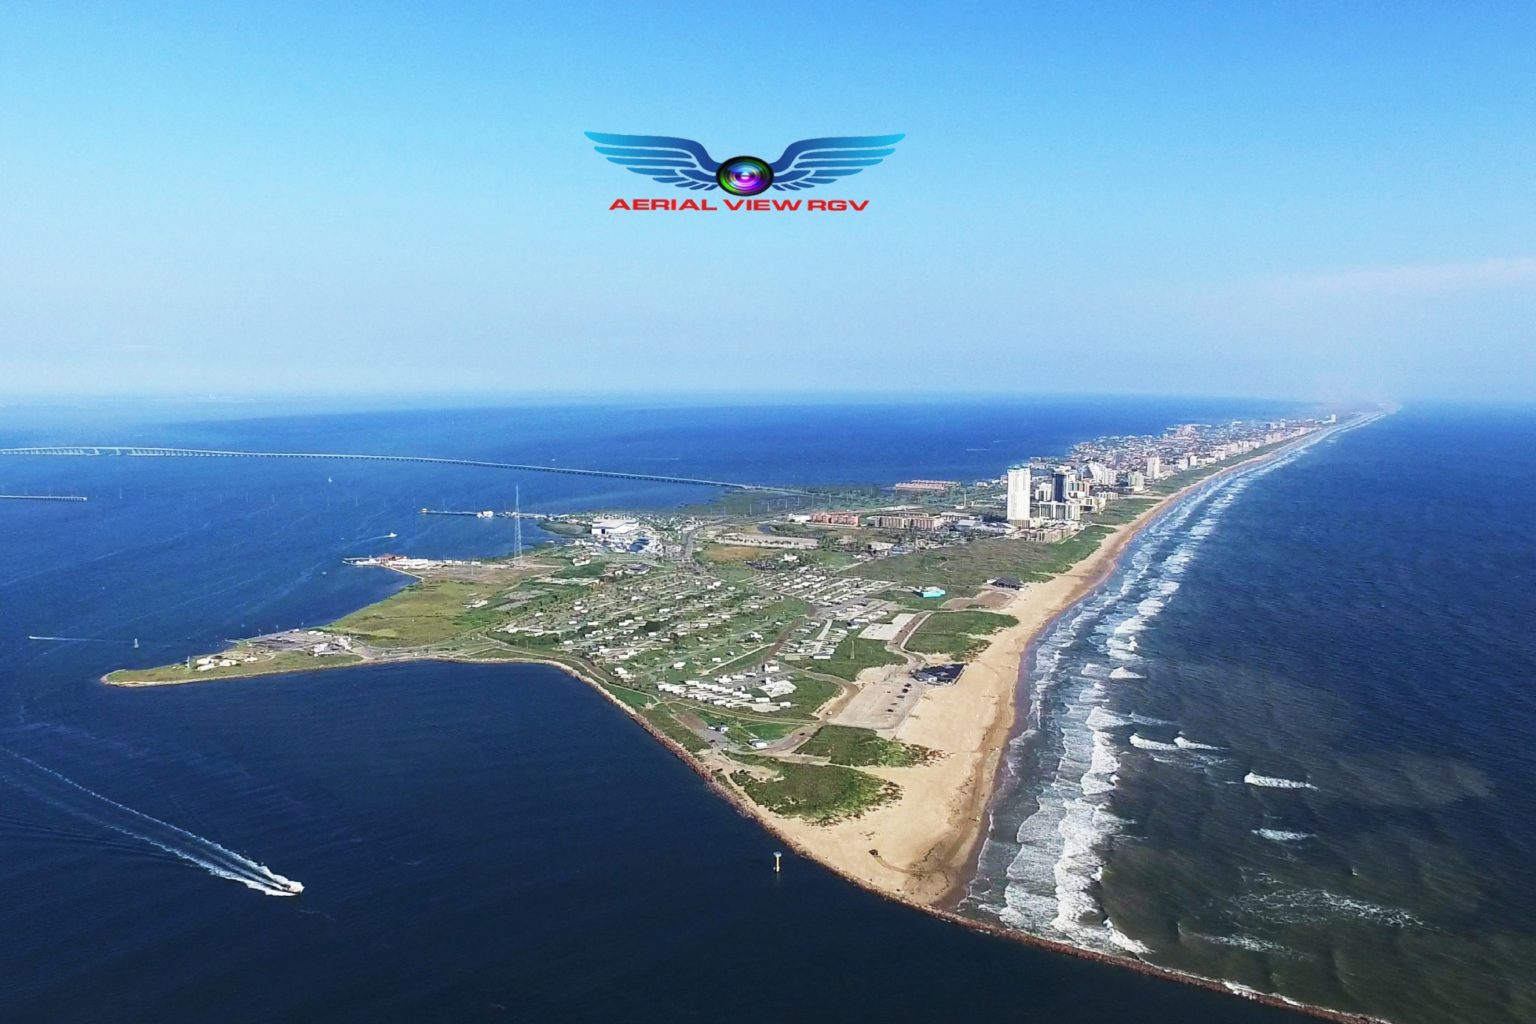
point(142, 451)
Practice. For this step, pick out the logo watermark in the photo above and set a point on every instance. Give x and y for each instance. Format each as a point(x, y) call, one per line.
point(686, 164)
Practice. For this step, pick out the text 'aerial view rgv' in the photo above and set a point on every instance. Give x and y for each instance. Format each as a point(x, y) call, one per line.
point(958, 512)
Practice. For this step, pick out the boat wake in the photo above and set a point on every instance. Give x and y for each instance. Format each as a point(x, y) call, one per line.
point(67, 795)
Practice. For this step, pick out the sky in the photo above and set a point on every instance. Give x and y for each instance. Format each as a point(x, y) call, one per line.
point(1279, 199)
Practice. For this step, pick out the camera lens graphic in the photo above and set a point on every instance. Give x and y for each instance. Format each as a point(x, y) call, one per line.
point(744, 176)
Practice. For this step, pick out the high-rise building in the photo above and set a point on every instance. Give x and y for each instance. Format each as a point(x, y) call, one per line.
point(1018, 494)
point(1154, 467)
point(1061, 484)
point(1069, 511)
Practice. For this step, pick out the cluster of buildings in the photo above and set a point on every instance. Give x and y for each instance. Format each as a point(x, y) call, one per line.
point(645, 617)
point(767, 540)
point(816, 640)
point(738, 692)
point(900, 520)
point(1097, 471)
point(846, 597)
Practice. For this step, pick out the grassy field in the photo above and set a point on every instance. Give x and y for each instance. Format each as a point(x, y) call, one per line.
point(810, 695)
point(860, 747)
point(820, 793)
point(727, 554)
point(957, 634)
point(286, 661)
point(750, 725)
point(854, 655)
point(669, 726)
point(962, 569)
point(637, 699)
point(908, 600)
point(423, 613)
point(1120, 512)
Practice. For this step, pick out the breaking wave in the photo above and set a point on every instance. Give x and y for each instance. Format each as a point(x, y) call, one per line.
point(1274, 782)
point(1282, 836)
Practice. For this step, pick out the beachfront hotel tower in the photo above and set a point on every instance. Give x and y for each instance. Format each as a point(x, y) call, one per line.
point(1018, 494)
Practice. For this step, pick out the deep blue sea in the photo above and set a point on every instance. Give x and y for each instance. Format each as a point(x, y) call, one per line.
point(1289, 744)
point(499, 843)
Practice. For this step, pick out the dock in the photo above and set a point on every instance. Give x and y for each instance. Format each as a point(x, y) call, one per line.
point(42, 497)
point(482, 514)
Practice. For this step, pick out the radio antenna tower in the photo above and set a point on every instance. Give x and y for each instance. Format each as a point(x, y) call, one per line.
point(517, 527)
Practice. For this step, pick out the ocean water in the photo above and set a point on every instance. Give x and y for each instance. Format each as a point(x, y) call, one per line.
point(1289, 743)
point(476, 843)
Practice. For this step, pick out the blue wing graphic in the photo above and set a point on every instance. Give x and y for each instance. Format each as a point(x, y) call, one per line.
point(680, 162)
point(812, 162)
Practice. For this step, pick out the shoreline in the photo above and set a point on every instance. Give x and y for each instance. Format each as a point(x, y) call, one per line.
point(1088, 575)
point(931, 837)
point(1102, 563)
point(922, 848)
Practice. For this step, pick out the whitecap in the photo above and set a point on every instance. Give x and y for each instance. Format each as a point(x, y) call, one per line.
point(1185, 743)
point(1127, 943)
point(1099, 719)
point(1282, 836)
point(1142, 743)
point(1247, 942)
point(1272, 782)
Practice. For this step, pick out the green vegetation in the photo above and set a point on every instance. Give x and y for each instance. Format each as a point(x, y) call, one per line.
point(636, 699)
point(424, 613)
point(859, 747)
point(810, 694)
point(591, 570)
point(564, 528)
point(1123, 511)
point(957, 634)
point(962, 569)
point(669, 726)
point(285, 661)
point(908, 600)
point(730, 553)
point(750, 726)
point(822, 793)
point(854, 655)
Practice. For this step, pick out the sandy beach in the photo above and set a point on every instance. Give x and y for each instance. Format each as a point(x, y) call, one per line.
point(921, 847)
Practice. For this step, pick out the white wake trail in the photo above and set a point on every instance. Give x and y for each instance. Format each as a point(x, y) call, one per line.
point(68, 795)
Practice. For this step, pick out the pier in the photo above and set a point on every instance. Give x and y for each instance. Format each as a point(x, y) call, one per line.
point(483, 514)
point(141, 451)
point(41, 497)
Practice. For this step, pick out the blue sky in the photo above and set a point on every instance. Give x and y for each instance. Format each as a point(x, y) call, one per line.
point(1281, 199)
